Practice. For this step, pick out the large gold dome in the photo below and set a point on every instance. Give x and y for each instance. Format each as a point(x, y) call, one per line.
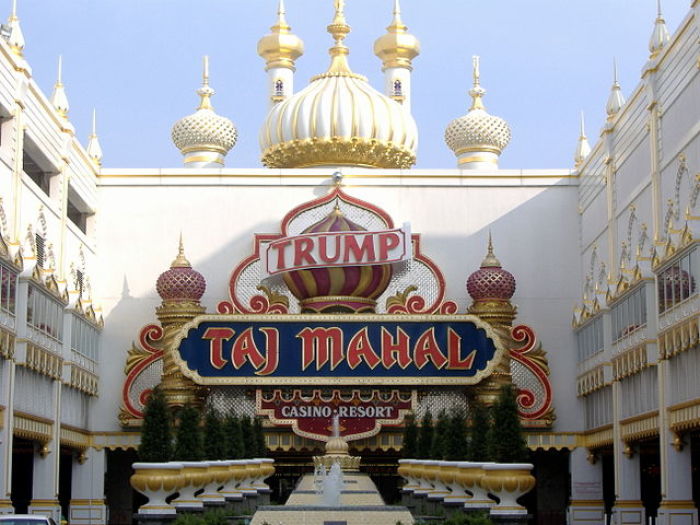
point(339, 119)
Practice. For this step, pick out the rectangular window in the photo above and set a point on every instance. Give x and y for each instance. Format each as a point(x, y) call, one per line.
point(589, 339)
point(44, 313)
point(84, 337)
point(8, 289)
point(678, 282)
point(630, 314)
point(37, 166)
point(40, 250)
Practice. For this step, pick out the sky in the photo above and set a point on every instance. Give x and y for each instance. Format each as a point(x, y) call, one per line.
point(138, 62)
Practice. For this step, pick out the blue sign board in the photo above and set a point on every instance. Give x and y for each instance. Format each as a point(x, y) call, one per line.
point(337, 349)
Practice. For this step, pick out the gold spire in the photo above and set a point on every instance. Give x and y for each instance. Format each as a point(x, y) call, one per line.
point(181, 261)
point(476, 92)
point(281, 47)
point(339, 29)
point(59, 98)
point(490, 260)
point(616, 100)
point(397, 47)
point(659, 36)
point(15, 38)
point(94, 150)
point(582, 146)
point(205, 92)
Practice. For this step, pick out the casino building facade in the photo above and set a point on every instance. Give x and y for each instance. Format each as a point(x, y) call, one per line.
point(342, 281)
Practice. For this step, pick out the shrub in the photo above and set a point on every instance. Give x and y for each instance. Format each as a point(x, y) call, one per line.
point(156, 433)
point(425, 436)
point(189, 445)
point(437, 447)
point(506, 439)
point(409, 448)
point(234, 438)
point(479, 431)
point(456, 441)
point(215, 443)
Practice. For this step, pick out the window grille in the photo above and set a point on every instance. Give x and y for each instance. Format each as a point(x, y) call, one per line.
point(8, 289)
point(678, 282)
point(630, 314)
point(44, 313)
point(84, 338)
point(40, 250)
point(589, 339)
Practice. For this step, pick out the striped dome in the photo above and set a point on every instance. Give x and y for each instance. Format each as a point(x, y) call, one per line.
point(338, 289)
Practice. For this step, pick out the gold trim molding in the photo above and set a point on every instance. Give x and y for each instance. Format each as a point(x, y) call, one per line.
point(34, 428)
point(598, 437)
point(680, 337)
point(630, 362)
point(591, 381)
point(640, 427)
point(7, 344)
point(43, 361)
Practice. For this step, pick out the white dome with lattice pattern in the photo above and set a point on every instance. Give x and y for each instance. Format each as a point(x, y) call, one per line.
point(477, 138)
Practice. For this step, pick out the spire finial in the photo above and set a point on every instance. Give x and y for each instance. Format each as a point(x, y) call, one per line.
point(490, 260)
point(615, 81)
point(15, 38)
point(476, 92)
point(181, 261)
point(94, 150)
point(616, 100)
point(660, 35)
point(281, 18)
point(582, 146)
point(397, 23)
point(339, 29)
point(59, 98)
point(205, 92)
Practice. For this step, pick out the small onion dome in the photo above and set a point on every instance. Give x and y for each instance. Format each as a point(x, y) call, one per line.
point(338, 289)
point(204, 137)
point(281, 47)
point(477, 138)
point(397, 47)
point(338, 120)
point(491, 281)
point(181, 283)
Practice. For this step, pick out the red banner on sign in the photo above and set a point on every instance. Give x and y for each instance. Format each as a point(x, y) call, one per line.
point(310, 414)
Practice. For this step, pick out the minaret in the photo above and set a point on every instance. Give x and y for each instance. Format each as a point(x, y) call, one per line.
point(280, 49)
point(94, 150)
point(477, 138)
point(59, 100)
point(582, 147)
point(660, 36)
point(616, 100)
point(396, 49)
point(15, 38)
point(204, 138)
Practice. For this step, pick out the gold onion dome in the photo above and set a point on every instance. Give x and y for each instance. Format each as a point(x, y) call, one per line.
point(281, 47)
point(339, 120)
point(397, 47)
point(477, 136)
point(204, 137)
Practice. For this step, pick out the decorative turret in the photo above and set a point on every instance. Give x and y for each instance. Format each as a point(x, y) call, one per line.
point(491, 282)
point(582, 146)
point(180, 287)
point(204, 138)
point(616, 100)
point(13, 32)
point(59, 100)
point(660, 36)
point(280, 49)
point(338, 120)
point(396, 49)
point(94, 150)
point(350, 289)
point(477, 138)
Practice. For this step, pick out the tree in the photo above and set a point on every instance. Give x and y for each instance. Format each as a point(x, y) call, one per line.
point(425, 436)
point(410, 437)
point(234, 438)
point(479, 433)
point(215, 442)
point(259, 434)
point(189, 445)
point(249, 447)
point(456, 441)
point(437, 447)
point(156, 433)
point(506, 440)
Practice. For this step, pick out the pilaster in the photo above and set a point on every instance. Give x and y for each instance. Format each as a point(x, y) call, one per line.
point(586, 506)
point(87, 504)
point(7, 386)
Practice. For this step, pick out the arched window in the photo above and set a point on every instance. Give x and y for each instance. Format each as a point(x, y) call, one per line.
point(279, 88)
point(398, 91)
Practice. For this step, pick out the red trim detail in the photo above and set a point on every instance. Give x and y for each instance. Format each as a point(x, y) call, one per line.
point(526, 399)
point(148, 334)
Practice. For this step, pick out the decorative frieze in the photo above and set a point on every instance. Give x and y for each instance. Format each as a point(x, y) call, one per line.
point(32, 427)
point(640, 427)
point(75, 438)
point(554, 440)
point(7, 344)
point(43, 362)
point(598, 438)
point(630, 362)
point(685, 416)
point(679, 337)
point(590, 381)
point(83, 380)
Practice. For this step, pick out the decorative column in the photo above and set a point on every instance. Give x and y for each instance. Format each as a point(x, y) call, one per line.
point(181, 287)
point(491, 288)
point(586, 506)
point(87, 504)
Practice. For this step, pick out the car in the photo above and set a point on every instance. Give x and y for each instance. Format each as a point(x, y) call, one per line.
point(26, 519)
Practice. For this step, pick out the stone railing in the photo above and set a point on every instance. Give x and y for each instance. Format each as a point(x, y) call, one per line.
point(431, 484)
point(237, 485)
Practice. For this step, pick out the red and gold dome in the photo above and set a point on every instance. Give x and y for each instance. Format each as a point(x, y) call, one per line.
point(181, 283)
point(491, 281)
point(347, 289)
